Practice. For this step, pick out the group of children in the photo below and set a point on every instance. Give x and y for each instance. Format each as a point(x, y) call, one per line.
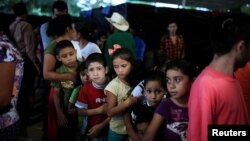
point(111, 107)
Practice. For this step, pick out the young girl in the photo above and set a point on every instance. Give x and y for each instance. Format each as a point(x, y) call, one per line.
point(173, 110)
point(91, 100)
point(117, 91)
point(154, 92)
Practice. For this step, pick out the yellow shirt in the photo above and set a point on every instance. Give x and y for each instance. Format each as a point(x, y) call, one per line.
point(120, 90)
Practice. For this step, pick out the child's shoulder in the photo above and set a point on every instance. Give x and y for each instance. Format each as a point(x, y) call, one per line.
point(114, 80)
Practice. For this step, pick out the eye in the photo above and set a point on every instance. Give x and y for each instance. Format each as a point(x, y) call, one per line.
point(99, 68)
point(64, 56)
point(168, 81)
point(90, 69)
point(71, 53)
point(158, 91)
point(178, 80)
point(148, 91)
point(124, 65)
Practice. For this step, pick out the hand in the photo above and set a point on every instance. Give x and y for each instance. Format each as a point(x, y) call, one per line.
point(130, 101)
point(72, 111)
point(61, 119)
point(102, 109)
point(94, 131)
point(72, 76)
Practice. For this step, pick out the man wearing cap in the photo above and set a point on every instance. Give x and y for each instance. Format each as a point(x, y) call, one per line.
point(120, 36)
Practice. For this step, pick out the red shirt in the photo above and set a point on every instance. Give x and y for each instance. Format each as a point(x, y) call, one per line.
point(94, 98)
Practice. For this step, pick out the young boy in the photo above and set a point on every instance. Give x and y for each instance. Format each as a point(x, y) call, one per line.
point(66, 54)
point(92, 97)
point(72, 110)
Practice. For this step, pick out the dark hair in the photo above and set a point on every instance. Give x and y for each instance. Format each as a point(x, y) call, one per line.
point(184, 66)
point(19, 9)
point(155, 59)
point(59, 5)
point(82, 66)
point(156, 75)
point(125, 54)
point(137, 72)
point(58, 25)
point(63, 44)
point(144, 115)
point(227, 30)
point(84, 30)
point(95, 57)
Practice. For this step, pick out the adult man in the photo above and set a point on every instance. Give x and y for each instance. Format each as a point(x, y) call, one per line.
point(216, 96)
point(119, 26)
point(173, 43)
point(58, 8)
point(23, 34)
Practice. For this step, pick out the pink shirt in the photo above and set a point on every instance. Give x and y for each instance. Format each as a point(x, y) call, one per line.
point(215, 98)
point(243, 75)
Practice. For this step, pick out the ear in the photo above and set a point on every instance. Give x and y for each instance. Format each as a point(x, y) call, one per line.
point(240, 46)
point(68, 29)
point(58, 58)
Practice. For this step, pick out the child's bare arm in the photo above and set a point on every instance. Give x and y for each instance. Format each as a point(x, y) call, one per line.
point(153, 127)
point(90, 112)
point(62, 120)
point(130, 129)
point(113, 107)
point(72, 109)
point(95, 130)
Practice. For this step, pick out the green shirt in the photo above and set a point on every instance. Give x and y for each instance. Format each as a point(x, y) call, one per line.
point(51, 48)
point(66, 86)
point(124, 39)
point(73, 98)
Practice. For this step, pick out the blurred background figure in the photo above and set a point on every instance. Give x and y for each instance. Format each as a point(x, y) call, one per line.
point(58, 8)
point(24, 36)
point(173, 43)
point(11, 73)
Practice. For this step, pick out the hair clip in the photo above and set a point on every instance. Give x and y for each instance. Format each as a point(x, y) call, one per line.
point(115, 48)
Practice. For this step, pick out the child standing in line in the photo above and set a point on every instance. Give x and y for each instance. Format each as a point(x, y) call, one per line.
point(117, 92)
point(173, 111)
point(82, 120)
point(92, 100)
point(154, 92)
point(66, 54)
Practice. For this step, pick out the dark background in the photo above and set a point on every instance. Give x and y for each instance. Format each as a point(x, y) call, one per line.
point(194, 25)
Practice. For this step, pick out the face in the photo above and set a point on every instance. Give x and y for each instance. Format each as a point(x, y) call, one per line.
point(84, 76)
point(154, 92)
point(178, 84)
point(67, 56)
point(122, 68)
point(97, 72)
point(172, 27)
point(142, 128)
